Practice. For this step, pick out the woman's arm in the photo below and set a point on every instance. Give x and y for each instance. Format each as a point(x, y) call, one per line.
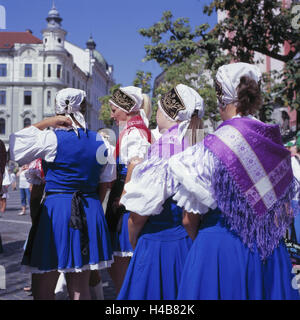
point(135, 226)
point(56, 121)
point(34, 142)
point(191, 223)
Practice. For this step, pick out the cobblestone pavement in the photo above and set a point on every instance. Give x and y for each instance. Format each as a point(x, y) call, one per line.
point(14, 230)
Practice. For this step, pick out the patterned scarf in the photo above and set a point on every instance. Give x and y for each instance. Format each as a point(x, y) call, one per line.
point(253, 180)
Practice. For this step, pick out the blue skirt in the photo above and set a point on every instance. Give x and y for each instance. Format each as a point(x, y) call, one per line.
point(220, 266)
point(156, 267)
point(120, 240)
point(56, 246)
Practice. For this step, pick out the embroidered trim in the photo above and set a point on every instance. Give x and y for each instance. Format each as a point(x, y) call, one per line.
point(172, 103)
point(123, 100)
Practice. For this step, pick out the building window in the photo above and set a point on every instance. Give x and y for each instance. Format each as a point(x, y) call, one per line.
point(68, 77)
point(48, 98)
point(49, 70)
point(28, 70)
point(73, 82)
point(59, 40)
point(58, 71)
point(27, 97)
point(27, 122)
point(2, 126)
point(2, 97)
point(3, 70)
point(78, 85)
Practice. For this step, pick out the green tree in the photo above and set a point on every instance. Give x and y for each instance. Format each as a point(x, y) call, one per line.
point(173, 41)
point(187, 56)
point(264, 27)
point(104, 114)
point(142, 80)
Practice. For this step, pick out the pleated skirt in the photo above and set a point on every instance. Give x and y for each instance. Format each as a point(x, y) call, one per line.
point(120, 240)
point(220, 267)
point(56, 246)
point(155, 269)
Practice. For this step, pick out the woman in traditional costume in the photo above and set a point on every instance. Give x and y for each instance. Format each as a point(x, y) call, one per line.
point(70, 234)
point(130, 109)
point(155, 225)
point(241, 181)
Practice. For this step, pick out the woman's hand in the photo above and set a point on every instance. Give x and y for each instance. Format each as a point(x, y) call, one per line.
point(191, 222)
point(55, 122)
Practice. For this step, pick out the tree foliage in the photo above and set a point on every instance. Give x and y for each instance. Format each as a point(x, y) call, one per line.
point(105, 107)
point(249, 26)
point(143, 81)
point(264, 27)
point(255, 25)
point(187, 56)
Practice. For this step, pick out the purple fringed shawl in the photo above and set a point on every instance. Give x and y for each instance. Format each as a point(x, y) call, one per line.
point(253, 181)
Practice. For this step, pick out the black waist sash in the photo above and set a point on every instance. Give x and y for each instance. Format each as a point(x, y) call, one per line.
point(77, 221)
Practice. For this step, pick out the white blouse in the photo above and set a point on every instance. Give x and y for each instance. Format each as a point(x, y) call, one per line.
point(31, 143)
point(133, 144)
point(146, 192)
point(183, 176)
point(193, 170)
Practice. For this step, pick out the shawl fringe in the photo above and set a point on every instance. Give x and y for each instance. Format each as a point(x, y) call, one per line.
point(265, 230)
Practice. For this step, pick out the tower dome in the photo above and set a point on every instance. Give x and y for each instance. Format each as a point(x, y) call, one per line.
point(54, 19)
point(91, 44)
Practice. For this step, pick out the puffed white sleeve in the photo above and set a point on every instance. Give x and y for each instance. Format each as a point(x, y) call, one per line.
point(193, 170)
point(133, 144)
point(149, 187)
point(31, 143)
point(109, 173)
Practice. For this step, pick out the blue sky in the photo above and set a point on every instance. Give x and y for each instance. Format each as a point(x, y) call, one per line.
point(114, 25)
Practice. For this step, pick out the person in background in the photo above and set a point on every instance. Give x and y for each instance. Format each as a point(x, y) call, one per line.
point(13, 180)
point(4, 190)
point(25, 188)
point(3, 158)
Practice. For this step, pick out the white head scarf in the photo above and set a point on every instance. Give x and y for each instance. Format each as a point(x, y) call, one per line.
point(129, 99)
point(179, 104)
point(228, 78)
point(68, 101)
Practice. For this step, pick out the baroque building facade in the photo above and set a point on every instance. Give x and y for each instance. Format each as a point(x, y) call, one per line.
point(32, 70)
